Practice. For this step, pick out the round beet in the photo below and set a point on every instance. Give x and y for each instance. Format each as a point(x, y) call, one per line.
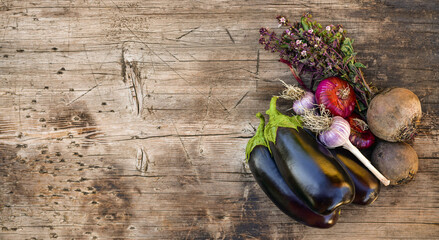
point(394, 115)
point(397, 161)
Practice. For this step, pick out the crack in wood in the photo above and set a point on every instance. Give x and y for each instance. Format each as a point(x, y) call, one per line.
point(224, 107)
point(169, 66)
point(240, 100)
point(92, 72)
point(82, 95)
point(185, 136)
point(188, 32)
point(142, 162)
point(245, 197)
point(230, 36)
point(33, 136)
point(200, 150)
point(257, 63)
point(19, 112)
point(188, 158)
point(131, 76)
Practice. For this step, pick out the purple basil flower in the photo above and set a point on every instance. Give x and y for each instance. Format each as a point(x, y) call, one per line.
point(314, 51)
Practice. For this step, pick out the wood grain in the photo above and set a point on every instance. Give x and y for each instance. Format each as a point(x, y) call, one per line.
point(129, 119)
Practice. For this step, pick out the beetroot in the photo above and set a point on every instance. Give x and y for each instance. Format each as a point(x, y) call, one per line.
point(394, 115)
point(397, 161)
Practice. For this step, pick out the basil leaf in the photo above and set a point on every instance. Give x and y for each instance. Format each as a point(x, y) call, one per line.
point(359, 65)
point(304, 24)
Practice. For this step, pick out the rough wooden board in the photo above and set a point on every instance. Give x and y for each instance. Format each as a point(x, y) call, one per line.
point(72, 122)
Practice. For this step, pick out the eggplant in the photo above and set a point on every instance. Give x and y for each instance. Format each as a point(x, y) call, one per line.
point(367, 186)
point(268, 177)
point(316, 178)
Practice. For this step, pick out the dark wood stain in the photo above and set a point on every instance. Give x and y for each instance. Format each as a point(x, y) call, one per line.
point(74, 116)
point(108, 204)
point(250, 224)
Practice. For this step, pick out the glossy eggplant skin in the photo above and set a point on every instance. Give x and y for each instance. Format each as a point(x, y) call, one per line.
point(268, 177)
point(316, 178)
point(367, 186)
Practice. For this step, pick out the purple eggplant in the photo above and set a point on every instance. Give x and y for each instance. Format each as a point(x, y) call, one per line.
point(318, 179)
point(367, 186)
point(268, 177)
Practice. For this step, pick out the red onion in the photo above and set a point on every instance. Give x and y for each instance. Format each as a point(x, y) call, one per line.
point(361, 137)
point(337, 96)
point(335, 133)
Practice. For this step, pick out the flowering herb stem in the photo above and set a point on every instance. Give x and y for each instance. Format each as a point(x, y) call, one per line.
point(307, 47)
point(293, 71)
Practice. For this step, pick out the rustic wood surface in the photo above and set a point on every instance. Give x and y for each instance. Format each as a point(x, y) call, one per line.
point(129, 119)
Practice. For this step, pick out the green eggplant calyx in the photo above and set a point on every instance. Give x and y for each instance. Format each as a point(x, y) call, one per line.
point(258, 138)
point(278, 119)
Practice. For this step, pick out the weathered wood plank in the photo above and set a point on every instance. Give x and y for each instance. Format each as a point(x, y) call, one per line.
point(87, 88)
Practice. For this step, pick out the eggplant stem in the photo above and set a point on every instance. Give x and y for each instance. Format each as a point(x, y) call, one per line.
point(348, 145)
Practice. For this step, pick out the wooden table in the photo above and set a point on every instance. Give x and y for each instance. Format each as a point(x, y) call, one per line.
point(129, 119)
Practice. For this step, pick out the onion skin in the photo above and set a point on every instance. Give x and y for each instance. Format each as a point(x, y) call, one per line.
point(337, 96)
point(359, 137)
